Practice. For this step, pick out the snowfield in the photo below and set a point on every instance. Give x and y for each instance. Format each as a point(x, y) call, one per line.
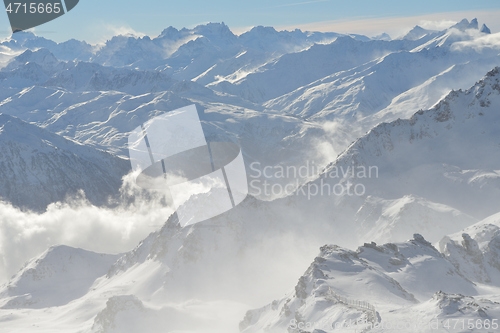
point(407, 128)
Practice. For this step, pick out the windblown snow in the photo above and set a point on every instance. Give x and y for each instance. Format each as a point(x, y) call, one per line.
point(407, 128)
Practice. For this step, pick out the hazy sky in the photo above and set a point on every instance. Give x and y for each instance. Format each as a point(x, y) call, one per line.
point(97, 20)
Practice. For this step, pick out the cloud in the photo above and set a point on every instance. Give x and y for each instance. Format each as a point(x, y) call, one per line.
point(77, 223)
point(300, 3)
point(397, 26)
point(123, 30)
point(483, 43)
point(100, 33)
point(339, 134)
point(436, 25)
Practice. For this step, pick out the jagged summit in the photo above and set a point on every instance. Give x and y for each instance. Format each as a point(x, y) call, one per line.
point(21, 36)
point(220, 30)
point(473, 24)
point(485, 29)
point(462, 25)
point(436, 172)
point(74, 270)
point(416, 33)
point(393, 273)
point(383, 36)
point(41, 56)
point(466, 25)
point(261, 30)
point(170, 31)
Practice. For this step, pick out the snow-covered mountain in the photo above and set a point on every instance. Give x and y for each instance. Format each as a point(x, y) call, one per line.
point(477, 244)
point(376, 91)
point(288, 99)
point(68, 50)
point(428, 156)
point(57, 276)
point(433, 142)
point(394, 277)
point(409, 285)
point(42, 68)
point(381, 220)
point(277, 78)
point(39, 167)
point(354, 81)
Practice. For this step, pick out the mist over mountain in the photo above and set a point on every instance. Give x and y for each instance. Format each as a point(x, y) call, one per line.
point(397, 138)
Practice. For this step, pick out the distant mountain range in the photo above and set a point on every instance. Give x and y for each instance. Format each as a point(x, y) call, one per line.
point(420, 109)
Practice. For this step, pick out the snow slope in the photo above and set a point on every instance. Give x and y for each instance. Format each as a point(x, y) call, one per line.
point(477, 244)
point(173, 254)
point(412, 175)
point(38, 167)
point(56, 277)
point(396, 218)
point(429, 156)
point(166, 266)
point(392, 85)
point(68, 50)
point(294, 70)
point(437, 174)
point(410, 285)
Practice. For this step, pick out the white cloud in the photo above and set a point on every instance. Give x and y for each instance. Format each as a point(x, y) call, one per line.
point(100, 33)
point(77, 223)
point(436, 25)
point(480, 44)
point(123, 30)
point(397, 26)
point(300, 3)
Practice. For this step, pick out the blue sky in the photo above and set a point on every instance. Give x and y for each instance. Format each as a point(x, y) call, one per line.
point(97, 20)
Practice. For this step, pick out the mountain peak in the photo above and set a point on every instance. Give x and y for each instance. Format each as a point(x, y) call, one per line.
point(170, 33)
point(214, 29)
point(22, 36)
point(416, 33)
point(42, 57)
point(56, 277)
point(462, 25)
point(261, 30)
point(473, 24)
point(13, 128)
point(28, 55)
point(420, 239)
point(491, 75)
point(344, 40)
point(485, 29)
point(383, 36)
